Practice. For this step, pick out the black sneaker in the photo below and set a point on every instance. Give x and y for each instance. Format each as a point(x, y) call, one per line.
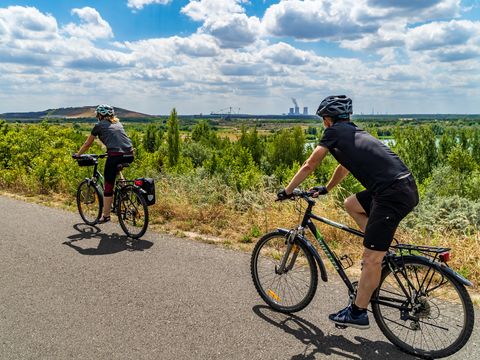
point(345, 318)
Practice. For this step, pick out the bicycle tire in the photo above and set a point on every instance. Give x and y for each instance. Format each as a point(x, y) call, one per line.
point(431, 323)
point(132, 212)
point(89, 202)
point(269, 250)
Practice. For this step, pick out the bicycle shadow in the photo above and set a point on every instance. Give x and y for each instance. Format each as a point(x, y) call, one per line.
point(316, 342)
point(108, 243)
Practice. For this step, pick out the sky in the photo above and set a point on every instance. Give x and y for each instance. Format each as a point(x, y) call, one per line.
point(203, 56)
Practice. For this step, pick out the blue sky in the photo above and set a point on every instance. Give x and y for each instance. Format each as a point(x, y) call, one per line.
point(200, 56)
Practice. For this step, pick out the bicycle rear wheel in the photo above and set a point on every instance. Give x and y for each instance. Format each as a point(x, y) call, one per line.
point(295, 288)
point(437, 316)
point(89, 202)
point(132, 212)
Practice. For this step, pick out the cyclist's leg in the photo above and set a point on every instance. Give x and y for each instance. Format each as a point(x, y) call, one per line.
point(377, 241)
point(110, 173)
point(358, 207)
point(370, 276)
point(387, 210)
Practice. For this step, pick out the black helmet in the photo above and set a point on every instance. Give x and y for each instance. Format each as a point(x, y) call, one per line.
point(339, 106)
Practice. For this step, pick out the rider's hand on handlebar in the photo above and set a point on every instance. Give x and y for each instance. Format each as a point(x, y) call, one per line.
point(282, 195)
point(319, 190)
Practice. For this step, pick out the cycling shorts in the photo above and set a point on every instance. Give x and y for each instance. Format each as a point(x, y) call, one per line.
point(111, 170)
point(385, 210)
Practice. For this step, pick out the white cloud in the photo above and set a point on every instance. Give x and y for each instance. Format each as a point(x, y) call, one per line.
point(139, 4)
point(286, 54)
point(315, 19)
point(349, 20)
point(233, 30)
point(225, 20)
point(387, 36)
point(201, 10)
point(92, 25)
point(450, 41)
point(443, 34)
point(232, 61)
point(26, 23)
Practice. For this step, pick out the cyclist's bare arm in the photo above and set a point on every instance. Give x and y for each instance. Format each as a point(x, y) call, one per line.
point(338, 175)
point(307, 168)
point(86, 144)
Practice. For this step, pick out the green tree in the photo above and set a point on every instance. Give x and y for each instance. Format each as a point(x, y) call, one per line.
point(251, 141)
point(173, 138)
point(447, 141)
point(416, 147)
point(201, 131)
point(287, 147)
point(150, 138)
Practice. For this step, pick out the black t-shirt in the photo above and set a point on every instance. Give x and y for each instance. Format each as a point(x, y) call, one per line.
point(369, 160)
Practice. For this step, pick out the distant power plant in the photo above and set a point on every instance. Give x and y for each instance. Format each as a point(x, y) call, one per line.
point(296, 109)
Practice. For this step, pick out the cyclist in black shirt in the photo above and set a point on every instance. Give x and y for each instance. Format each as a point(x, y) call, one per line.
point(390, 194)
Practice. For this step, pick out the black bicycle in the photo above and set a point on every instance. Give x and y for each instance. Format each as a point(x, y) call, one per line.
point(421, 304)
point(128, 198)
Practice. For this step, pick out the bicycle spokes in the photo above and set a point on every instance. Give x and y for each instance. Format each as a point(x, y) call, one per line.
point(132, 212)
point(284, 273)
point(420, 308)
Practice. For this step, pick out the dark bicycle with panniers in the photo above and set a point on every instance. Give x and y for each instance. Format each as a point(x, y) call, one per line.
point(131, 198)
point(421, 304)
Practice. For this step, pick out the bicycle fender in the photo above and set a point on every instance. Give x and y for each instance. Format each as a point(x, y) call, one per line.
point(443, 267)
point(456, 275)
point(311, 248)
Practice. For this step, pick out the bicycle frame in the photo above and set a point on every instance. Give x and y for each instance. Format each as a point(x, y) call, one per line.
point(307, 223)
point(390, 259)
point(98, 178)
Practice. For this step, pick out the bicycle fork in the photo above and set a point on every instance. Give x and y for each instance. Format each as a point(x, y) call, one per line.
point(291, 246)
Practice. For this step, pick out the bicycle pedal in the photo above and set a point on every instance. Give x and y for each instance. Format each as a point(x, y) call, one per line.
point(342, 327)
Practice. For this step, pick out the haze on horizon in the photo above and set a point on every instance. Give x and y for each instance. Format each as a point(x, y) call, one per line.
point(201, 56)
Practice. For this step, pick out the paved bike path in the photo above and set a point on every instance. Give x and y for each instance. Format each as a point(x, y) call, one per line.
point(71, 291)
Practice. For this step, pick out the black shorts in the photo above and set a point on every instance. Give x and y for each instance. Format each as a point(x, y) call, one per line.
point(111, 170)
point(385, 210)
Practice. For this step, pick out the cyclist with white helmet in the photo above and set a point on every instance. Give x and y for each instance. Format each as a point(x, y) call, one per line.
point(119, 149)
point(390, 194)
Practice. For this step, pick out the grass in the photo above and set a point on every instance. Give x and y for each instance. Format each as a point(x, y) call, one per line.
point(206, 210)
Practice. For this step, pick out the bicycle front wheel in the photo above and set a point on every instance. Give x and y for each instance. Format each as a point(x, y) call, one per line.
point(435, 318)
point(132, 212)
point(89, 202)
point(291, 290)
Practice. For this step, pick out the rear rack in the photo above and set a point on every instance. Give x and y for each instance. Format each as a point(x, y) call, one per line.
point(433, 251)
point(421, 248)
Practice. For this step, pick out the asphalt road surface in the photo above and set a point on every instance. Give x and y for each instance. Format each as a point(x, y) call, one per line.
point(71, 291)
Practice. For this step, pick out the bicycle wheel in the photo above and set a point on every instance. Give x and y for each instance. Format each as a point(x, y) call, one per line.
point(294, 289)
point(89, 202)
point(437, 317)
point(132, 212)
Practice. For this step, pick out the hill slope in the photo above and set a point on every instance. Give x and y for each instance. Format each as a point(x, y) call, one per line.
point(70, 113)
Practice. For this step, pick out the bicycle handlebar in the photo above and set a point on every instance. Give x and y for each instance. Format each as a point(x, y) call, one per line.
point(297, 193)
point(89, 156)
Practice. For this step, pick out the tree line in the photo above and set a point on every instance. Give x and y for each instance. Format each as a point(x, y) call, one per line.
point(444, 160)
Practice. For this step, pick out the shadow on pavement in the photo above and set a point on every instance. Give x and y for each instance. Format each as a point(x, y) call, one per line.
point(108, 243)
point(317, 343)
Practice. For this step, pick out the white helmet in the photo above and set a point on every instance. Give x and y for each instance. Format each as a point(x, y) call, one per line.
point(104, 110)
